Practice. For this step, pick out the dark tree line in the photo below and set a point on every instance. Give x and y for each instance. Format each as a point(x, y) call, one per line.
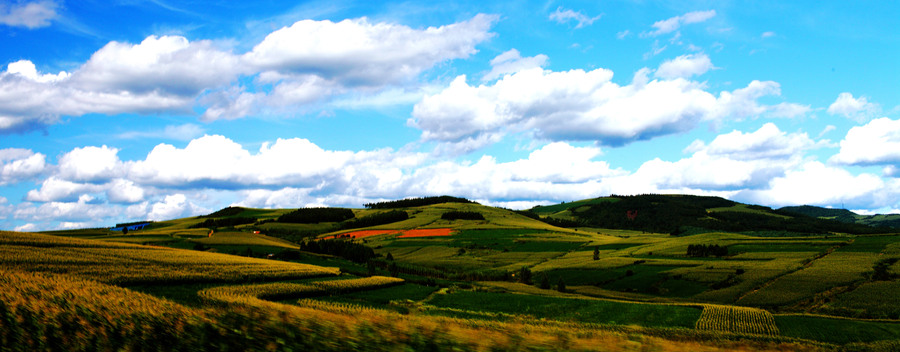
point(226, 222)
point(703, 250)
point(351, 251)
point(229, 211)
point(416, 202)
point(126, 224)
point(462, 215)
point(376, 219)
point(317, 215)
point(548, 220)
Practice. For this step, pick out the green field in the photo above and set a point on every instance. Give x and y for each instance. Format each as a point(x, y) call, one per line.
point(458, 287)
point(570, 309)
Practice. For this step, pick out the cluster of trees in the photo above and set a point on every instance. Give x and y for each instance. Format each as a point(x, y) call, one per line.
point(229, 211)
point(349, 250)
point(376, 219)
point(525, 276)
point(225, 222)
point(317, 215)
point(126, 224)
point(462, 215)
point(416, 202)
point(706, 250)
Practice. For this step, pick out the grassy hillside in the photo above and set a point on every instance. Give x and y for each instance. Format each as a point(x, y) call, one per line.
point(684, 214)
point(846, 216)
point(476, 284)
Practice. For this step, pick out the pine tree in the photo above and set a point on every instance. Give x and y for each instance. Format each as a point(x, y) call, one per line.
point(544, 281)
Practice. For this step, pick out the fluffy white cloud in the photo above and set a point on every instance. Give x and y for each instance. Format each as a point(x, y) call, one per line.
point(90, 164)
point(31, 15)
point(124, 191)
point(731, 161)
point(173, 207)
point(815, 183)
point(32, 100)
point(17, 165)
point(357, 52)
point(27, 69)
point(172, 65)
point(304, 64)
point(54, 189)
point(578, 105)
point(511, 62)
point(557, 171)
point(563, 16)
point(674, 23)
point(220, 162)
point(875, 143)
point(685, 66)
point(82, 210)
point(766, 143)
point(852, 108)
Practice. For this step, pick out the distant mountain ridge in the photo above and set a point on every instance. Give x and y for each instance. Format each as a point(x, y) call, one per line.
point(689, 214)
point(845, 216)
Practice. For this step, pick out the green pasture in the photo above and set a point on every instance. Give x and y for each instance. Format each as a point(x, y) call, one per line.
point(840, 331)
point(571, 309)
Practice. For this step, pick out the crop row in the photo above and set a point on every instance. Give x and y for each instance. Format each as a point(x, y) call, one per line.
point(42, 311)
point(744, 320)
point(252, 294)
point(130, 264)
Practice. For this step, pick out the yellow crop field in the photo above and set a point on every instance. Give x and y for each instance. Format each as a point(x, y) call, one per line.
point(742, 320)
point(252, 294)
point(121, 263)
point(835, 269)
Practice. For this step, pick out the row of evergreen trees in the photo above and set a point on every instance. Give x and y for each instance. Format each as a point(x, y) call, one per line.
point(317, 215)
point(376, 219)
point(416, 202)
point(462, 215)
point(706, 250)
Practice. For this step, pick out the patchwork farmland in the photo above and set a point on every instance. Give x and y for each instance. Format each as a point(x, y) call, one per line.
point(422, 281)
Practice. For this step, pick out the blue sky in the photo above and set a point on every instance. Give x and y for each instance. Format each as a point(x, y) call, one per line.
point(132, 110)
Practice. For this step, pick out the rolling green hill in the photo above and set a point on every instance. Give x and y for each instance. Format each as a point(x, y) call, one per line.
point(735, 276)
point(685, 214)
point(846, 216)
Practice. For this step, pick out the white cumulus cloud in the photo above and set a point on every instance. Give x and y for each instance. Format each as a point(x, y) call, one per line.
point(90, 164)
point(857, 109)
point(685, 66)
point(17, 165)
point(358, 52)
point(565, 15)
point(674, 23)
point(29, 14)
point(875, 143)
point(578, 105)
point(511, 62)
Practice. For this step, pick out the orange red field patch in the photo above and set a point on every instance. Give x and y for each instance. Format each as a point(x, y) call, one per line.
point(363, 233)
point(426, 233)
